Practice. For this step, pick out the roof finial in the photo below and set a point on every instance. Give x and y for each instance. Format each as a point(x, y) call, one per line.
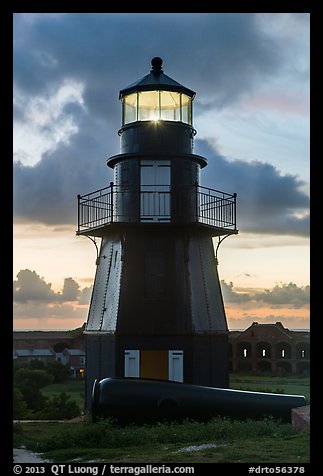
point(156, 64)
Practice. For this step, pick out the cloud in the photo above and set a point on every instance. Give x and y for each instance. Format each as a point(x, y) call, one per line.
point(290, 322)
point(267, 201)
point(103, 49)
point(85, 295)
point(41, 316)
point(47, 191)
point(37, 305)
point(30, 287)
point(223, 56)
point(70, 290)
point(232, 296)
point(289, 295)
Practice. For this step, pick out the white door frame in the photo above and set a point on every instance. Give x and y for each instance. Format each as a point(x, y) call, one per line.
point(155, 195)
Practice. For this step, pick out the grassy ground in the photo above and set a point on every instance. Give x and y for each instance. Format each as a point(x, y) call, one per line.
point(264, 441)
point(73, 388)
point(287, 385)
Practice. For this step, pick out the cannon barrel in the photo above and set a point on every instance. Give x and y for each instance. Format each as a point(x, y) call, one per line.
point(134, 400)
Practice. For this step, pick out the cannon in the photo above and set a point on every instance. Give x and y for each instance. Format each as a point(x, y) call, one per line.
point(135, 400)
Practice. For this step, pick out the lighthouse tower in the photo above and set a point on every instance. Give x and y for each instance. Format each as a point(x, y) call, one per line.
point(156, 309)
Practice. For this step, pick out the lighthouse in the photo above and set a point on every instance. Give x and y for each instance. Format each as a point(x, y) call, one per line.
point(156, 309)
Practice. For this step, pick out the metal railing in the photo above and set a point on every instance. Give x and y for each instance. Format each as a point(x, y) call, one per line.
point(193, 204)
point(215, 208)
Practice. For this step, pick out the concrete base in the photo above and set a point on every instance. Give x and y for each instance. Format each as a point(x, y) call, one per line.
point(301, 417)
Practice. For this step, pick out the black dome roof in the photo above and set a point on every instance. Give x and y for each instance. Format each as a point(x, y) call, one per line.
point(156, 80)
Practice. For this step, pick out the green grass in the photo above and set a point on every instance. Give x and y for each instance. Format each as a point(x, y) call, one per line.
point(73, 388)
point(287, 385)
point(266, 378)
point(262, 441)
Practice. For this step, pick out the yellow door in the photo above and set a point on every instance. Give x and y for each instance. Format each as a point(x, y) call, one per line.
point(154, 364)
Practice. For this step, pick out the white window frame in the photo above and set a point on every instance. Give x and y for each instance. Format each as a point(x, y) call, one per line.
point(155, 185)
point(176, 358)
point(132, 363)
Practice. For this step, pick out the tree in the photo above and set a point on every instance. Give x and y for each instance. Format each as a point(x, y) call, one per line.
point(60, 407)
point(20, 407)
point(29, 382)
point(36, 364)
point(59, 371)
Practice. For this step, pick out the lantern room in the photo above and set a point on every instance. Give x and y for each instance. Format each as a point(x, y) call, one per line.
point(155, 106)
point(156, 97)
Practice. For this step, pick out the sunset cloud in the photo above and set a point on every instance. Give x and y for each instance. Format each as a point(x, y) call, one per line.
point(30, 287)
point(286, 295)
point(35, 303)
point(35, 300)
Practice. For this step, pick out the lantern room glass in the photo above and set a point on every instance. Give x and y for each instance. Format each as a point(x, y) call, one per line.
point(130, 108)
point(148, 106)
point(170, 106)
point(157, 105)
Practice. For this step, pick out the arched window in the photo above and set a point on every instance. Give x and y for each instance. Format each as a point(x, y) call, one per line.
point(263, 350)
point(303, 350)
point(283, 350)
point(244, 350)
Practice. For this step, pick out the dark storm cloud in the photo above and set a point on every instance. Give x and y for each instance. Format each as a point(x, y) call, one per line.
point(267, 202)
point(222, 56)
point(47, 191)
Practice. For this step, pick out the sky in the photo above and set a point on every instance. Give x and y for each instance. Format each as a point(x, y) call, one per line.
point(250, 72)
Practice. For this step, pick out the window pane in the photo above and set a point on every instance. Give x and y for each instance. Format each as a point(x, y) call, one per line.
point(170, 105)
point(186, 109)
point(130, 108)
point(148, 106)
